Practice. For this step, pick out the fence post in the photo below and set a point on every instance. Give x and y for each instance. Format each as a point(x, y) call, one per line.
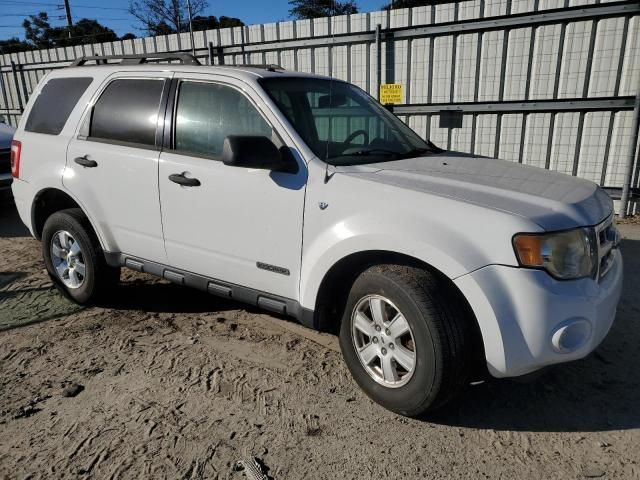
point(210, 53)
point(25, 91)
point(628, 175)
point(378, 60)
point(242, 40)
point(5, 99)
point(14, 71)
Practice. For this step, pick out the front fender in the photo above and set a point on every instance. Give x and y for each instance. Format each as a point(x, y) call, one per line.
point(440, 244)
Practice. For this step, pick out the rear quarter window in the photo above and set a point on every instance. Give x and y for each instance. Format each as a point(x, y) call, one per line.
point(54, 104)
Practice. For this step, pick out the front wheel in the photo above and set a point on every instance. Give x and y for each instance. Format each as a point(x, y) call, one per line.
point(406, 338)
point(74, 258)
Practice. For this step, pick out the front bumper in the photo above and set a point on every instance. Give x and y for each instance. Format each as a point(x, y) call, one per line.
point(529, 320)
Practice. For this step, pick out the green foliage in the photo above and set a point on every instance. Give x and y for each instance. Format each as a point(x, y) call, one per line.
point(301, 9)
point(40, 34)
point(410, 3)
point(13, 45)
point(211, 22)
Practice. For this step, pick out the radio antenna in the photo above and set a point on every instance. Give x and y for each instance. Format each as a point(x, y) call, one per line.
point(327, 177)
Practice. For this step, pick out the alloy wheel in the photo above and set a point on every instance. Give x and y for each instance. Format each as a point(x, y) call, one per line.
point(68, 259)
point(383, 341)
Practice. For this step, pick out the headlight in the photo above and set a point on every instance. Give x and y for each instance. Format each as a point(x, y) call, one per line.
point(565, 255)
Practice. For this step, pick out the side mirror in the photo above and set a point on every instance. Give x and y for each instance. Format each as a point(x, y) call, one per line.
point(332, 101)
point(251, 151)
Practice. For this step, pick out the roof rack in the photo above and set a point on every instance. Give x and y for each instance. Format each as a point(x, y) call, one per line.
point(264, 66)
point(185, 59)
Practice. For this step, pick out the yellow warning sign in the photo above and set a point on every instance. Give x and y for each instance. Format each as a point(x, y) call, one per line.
point(390, 93)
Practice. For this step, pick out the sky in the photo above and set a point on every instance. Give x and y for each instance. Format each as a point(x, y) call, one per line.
point(114, 14)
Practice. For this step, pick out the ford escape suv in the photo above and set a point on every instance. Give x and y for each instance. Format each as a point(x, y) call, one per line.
point(304, 196)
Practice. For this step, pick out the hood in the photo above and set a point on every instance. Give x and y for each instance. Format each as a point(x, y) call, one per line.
point(554, 201)
point(6, 134)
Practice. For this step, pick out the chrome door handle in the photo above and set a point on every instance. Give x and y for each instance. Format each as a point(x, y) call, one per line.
point(180, 179)
point(85, 162)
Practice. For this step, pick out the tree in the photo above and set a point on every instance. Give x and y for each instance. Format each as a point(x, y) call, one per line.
point(13, 45)
point(210, 22)
point(301, 9)
point(228, 22)
point(158, 16)
point(86, 31)
point(409, 3)
point(39, 33)
point(128, 36)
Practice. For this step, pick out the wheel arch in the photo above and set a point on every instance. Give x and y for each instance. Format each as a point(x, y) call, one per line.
point(49, 201)
point(334, 288)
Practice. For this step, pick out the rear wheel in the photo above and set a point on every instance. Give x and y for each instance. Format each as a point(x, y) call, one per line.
point(74, 258)
point(406, 338)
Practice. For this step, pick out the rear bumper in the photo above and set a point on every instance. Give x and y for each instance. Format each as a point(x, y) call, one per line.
point(21, 197)
point(529, 320)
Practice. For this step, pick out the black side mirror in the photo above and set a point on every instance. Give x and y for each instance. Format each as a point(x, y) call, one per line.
point(332, 101)
point(252, 151)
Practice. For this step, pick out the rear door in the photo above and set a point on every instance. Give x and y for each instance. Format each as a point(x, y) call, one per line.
point(112, 165)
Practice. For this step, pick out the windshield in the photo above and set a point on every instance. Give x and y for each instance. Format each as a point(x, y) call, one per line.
point(341, 123)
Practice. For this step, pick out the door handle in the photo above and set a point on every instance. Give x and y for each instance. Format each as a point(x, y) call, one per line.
point(180, 179)
point(85, 162)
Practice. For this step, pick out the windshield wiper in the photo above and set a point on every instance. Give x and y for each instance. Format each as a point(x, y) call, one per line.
point(415, 152)
point(370, 151)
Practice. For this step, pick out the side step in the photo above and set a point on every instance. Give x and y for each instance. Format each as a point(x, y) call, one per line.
point(263, 300)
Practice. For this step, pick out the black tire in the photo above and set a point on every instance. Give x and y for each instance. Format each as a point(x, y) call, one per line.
point(444, 338)
point(99, 278)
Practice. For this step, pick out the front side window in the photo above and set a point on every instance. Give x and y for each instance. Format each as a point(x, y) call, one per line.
point(127, 111)
point(55, 103)
point(341, 124)
point(206, 113)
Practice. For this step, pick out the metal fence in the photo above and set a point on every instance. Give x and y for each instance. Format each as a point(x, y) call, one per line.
point(549, 83)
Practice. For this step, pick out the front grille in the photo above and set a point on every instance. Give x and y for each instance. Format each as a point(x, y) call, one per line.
point(5, 161)
point(608, 240)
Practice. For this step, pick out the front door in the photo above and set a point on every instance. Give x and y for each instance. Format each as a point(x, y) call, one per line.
point(238, 225)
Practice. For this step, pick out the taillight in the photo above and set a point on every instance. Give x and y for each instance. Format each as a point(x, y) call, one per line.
point(16, 148)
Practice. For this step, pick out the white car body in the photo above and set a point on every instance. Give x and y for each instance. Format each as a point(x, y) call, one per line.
point(453, 212)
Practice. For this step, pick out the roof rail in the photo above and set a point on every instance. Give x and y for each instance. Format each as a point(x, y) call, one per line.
point(185, 59)
point(272, 67)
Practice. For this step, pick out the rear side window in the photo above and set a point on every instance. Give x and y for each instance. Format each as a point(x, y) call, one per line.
point(55, 103)
point(127, 111)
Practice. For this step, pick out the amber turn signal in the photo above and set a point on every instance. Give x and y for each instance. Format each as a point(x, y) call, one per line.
point(529, 249)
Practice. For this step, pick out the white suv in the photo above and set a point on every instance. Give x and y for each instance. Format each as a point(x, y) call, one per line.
point(304, 196)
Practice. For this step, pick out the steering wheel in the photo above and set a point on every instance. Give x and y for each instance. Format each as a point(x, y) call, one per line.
point(348, 140)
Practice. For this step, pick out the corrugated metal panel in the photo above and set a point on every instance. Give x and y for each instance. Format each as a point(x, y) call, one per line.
point(442, 57)
point(510, 137)
point(485, 135)
point(535, 139)
point(517, 64)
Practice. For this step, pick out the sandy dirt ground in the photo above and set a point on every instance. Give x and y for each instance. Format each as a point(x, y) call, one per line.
point(178, 384)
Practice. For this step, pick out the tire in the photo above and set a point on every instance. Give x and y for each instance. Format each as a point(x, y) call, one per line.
point(441, 339)
point(98, 278)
